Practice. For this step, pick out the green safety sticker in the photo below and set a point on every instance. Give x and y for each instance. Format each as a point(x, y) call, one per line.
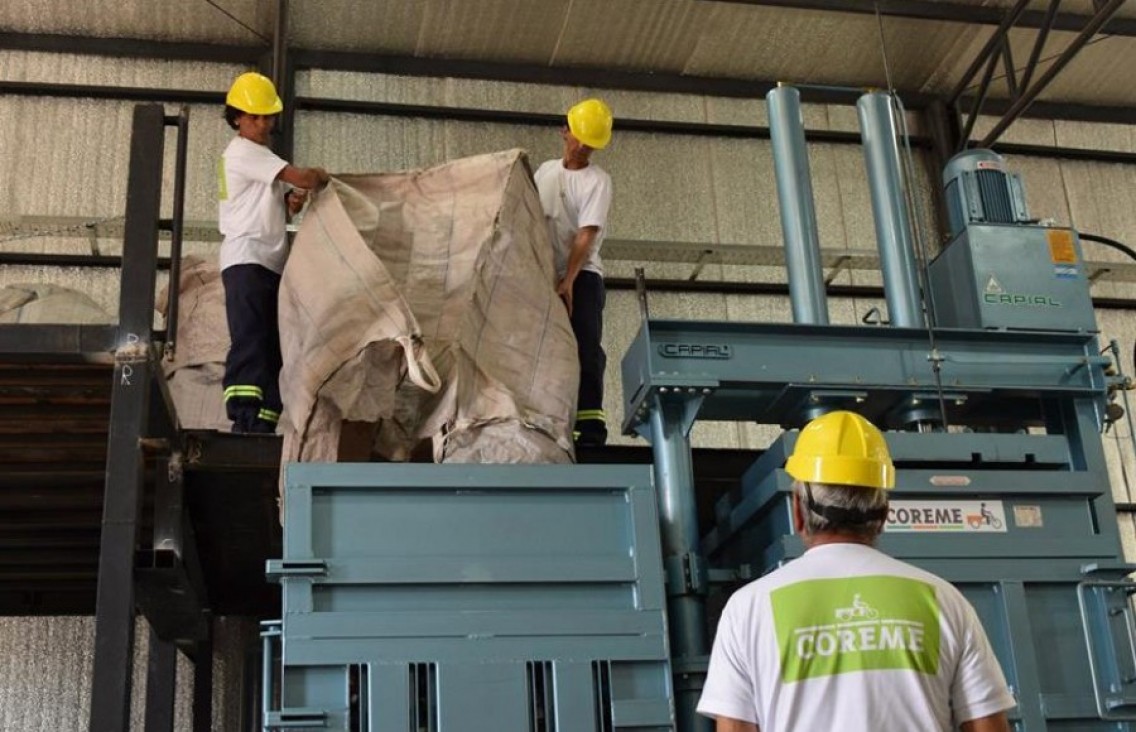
point(835, 626)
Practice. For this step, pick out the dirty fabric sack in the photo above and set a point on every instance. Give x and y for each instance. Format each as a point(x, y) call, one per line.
point(42, 304)
point(424, 302)
point(195, 373)
point(346, 334)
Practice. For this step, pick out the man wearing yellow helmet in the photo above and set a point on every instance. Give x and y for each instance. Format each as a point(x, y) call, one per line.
point(254, 204)
point(576, 197)
point(845, 637)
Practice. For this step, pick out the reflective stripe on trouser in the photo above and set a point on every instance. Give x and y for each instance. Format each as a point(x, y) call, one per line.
point(249, 391)
point(252, 369)
point(588, 299)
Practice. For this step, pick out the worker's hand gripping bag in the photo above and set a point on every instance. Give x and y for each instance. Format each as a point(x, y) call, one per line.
point(423, 303)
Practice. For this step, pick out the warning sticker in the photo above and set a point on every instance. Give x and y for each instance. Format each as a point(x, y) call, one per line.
point(937, 516)
point(1061, 249)
point(1028, 517)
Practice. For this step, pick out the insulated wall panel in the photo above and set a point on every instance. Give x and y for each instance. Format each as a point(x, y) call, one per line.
point(45, 674)
point(142, 19)
point(71, 157)
point(66, 68)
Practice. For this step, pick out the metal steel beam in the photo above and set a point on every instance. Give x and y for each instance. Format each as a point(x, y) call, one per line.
point(284, 75)
point(570, 76)
point(941, 10)
point(998, 38)
point(129, 48)
point(177, 230)
point(114, 615)
point(495, 71)
point(203, 682)
point(1110, 114)
point(55, 340)
point(122, 93)
point(497, 116)
point(1090, 29)
point(161, 683)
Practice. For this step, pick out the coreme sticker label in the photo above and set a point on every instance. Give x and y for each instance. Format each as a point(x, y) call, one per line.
point(1061, 249)
point(934, 516)
point(828, 627)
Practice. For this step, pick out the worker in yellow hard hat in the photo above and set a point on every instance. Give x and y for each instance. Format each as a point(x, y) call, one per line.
point(575, 194)
point(258, 190)
point(845, 637)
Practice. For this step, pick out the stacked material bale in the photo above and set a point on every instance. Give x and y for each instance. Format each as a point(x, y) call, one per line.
point(42, 304)
point(194, 374)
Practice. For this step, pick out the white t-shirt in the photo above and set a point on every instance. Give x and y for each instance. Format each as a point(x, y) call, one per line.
point(573, 199)
point(251, 212)
point(847, 638)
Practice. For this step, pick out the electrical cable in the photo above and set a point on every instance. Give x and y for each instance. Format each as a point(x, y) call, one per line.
point(921, 254)
point(1112, 243)
point(239, 22)
point(883, 48)
point(906, 180)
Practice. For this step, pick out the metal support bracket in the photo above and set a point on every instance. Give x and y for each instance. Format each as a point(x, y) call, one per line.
point(1107, 613)
point(296, 719)
point(278, 569)
point(744, 573)
point(684, 394)
point(843, 262)
point(686, 574)
point(703, 258)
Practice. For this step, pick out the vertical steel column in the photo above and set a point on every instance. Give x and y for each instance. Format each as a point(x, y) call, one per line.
point(203, 682)
point(284, 76)
point(941, 123)
point(161, 681)
point(889, 209)
point(670, 424)
point(114, 606)
point(798, 213)
point(177, 226)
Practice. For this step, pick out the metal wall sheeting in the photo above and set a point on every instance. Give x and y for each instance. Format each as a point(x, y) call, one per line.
point(669, 187)
point(68, 157)
point(66, 68)
point(190, 21)
point(45, 674)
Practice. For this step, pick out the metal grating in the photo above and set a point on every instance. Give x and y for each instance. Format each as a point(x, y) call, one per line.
point(996, 205)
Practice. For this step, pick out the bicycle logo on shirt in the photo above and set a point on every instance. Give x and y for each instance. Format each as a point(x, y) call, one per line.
point(859, 610)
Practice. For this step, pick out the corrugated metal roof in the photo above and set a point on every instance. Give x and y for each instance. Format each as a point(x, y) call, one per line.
point(693, 37)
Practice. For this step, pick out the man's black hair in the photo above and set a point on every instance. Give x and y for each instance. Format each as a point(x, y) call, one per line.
point(231, 115)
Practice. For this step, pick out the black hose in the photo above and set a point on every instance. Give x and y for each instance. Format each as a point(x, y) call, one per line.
point(1113, 243)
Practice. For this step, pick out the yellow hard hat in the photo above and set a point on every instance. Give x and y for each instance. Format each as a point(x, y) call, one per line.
point(255, 94)
point(842, 448)
point(590, 123)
